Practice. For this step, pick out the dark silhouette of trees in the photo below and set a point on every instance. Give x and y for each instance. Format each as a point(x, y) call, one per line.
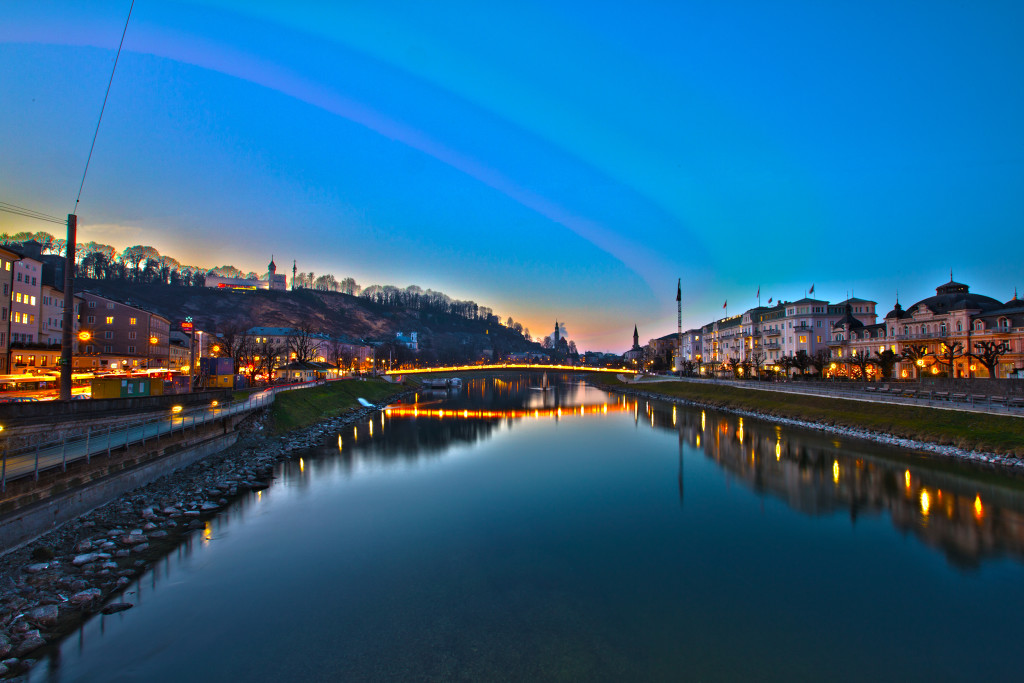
point(802, 361)
point(988, 354)
point(756, 358)
point(886, 361)
point(862, 361)
point(820, 360)
point(949, 352)
point(915, 354)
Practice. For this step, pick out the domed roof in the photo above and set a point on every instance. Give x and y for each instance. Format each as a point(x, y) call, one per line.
point(897, 312)
point(954, 296)
point(848, 319)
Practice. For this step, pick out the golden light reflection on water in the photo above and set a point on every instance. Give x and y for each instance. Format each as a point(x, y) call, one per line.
point(536, 413)
point(835, 471)
point(778, 450)
point(302, 465)
point(979, 511)
point(926, 501)
point(702, 420)
point(207, 533)
point(906, 478)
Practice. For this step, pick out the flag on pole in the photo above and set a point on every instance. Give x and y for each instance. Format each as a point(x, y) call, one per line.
point(679, 290)
point(769, 299)
point(759, 291)
point(726, 303)
point(812, 288)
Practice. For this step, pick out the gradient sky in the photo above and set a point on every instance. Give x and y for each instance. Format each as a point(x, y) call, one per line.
point(563, 160)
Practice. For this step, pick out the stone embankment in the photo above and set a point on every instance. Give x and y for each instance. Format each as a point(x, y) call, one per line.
point(51, 585)
point(941, 450)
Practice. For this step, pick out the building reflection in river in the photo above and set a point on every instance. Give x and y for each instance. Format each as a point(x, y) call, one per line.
point(966, 515)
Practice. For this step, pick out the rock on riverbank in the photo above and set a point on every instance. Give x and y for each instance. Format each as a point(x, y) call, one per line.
point(52, 584)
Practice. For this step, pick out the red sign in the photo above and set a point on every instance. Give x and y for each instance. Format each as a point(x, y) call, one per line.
point(186, 326)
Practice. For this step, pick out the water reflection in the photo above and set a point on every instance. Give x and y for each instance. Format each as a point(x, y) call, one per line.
point(963, 513)
point(967, 514)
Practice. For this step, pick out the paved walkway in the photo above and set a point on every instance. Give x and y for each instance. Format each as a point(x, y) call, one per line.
point(931, 399)
point(34, 459)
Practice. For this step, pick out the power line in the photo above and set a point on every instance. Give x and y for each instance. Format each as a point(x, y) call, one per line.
point(104, 106)
point(31, 214)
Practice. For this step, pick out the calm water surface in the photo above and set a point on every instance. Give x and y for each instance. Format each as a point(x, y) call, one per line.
point(509, 533)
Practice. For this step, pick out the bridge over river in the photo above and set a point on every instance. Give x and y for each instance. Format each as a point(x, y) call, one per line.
point(501, 367)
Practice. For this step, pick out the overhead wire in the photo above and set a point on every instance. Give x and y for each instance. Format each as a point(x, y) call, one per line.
point(28, 213)
point(104, 106)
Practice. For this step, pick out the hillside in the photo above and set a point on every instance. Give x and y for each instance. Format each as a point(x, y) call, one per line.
point(446, 336)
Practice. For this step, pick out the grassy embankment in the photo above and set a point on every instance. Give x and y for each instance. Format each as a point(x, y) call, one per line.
point(302, 407)
point(972, 431)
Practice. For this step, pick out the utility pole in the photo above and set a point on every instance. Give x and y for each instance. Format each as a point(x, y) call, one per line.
point(679, 323)
point(66, 339)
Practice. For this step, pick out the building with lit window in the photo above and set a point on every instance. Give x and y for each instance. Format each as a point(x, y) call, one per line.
point(7, 260)
point(119, 335)
point(270, 280)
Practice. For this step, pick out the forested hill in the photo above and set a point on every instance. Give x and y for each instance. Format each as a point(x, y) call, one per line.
point(444, 336)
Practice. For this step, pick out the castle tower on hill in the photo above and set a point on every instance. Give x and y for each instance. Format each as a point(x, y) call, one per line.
point(271, 267)
point(636, 339)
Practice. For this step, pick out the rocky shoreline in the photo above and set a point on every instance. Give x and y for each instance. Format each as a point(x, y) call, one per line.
point(49, 586)
point(941, 450)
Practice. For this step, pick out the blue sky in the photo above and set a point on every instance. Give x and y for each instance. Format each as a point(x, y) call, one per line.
point(550, 160)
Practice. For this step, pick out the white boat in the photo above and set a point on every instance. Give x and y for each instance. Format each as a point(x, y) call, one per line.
point(544, 386)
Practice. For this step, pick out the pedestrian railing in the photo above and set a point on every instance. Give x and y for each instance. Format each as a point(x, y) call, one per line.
point(58, 452)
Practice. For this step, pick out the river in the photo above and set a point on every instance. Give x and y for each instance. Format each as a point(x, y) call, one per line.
point(507, 532)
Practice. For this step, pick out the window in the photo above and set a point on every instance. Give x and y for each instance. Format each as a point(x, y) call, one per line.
point(132, 321)
point(43, 360)
point(110, 320)
point(7, 265)
point(819, 338)
point(17, 297)
point(108, 349)
point(978, 326)
point(942, 328)
point(959, 326)
point(90, 319)
point(92, 304)
point(803, 338)
point(108, 335)
point(90, 348)
point(19, 277)
point(33, 302)
point(131, 349)
point(1004, 324)
point(110, 305)
point(33, 281)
